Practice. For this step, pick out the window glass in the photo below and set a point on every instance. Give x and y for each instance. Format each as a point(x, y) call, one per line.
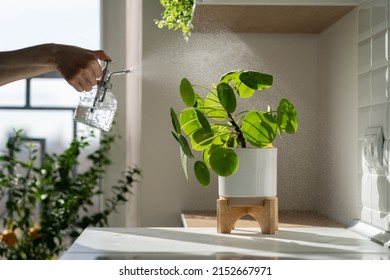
point(24, 23)
point(27, 23)
point(44, 109)
point(13, 94)
point(54, 126)
point(53, 93)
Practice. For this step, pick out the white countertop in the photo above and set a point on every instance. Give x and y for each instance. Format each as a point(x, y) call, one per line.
point(205, 243)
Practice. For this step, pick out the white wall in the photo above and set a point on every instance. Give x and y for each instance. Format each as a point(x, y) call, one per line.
point(337, 120)
point(114, 43)
point(292, 59)
point(121, 24)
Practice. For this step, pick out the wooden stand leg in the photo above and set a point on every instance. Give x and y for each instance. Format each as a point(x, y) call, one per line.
point(266, 215)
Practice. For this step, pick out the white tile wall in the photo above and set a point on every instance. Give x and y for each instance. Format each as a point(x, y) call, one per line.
point(373, 102)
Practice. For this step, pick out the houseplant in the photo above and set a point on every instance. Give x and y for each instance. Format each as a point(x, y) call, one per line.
point(212, 126)
point(177, 14)
point(48, 205)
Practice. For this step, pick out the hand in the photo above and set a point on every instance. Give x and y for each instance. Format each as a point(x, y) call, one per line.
point(79, 67)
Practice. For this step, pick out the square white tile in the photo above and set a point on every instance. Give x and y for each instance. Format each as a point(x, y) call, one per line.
point(379, 15)
point(379, 85)
point(364, 56)
point(379, 49)
point(364, 27)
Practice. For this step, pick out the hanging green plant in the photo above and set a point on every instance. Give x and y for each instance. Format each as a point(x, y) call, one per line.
point(177, 14)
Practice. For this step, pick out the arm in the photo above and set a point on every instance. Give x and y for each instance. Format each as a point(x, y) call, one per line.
point(79, 67)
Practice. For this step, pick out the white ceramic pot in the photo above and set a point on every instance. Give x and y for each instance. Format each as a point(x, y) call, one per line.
point(256, 175)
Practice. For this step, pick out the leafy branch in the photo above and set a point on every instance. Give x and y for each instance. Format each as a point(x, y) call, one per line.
point(48, 205)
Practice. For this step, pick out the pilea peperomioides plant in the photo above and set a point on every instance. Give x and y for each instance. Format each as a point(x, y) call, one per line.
point(213, 127)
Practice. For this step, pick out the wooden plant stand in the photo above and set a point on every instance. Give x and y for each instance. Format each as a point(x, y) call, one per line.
point(265, 212)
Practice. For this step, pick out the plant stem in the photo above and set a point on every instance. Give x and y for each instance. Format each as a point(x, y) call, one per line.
point(240, 136)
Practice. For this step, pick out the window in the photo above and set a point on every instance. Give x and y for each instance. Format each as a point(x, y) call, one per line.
point(43, 106)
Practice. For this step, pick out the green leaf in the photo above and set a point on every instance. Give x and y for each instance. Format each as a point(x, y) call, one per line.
point(199, 104)
point(242, 90)
point(287, 116)
point(176, 136)
point(214, 109)
point(187, 92)
point(185, 146)
point(221, 134)
point(203, 120)
point(226, 97)
point(223, 161)
point(184, 160)
point(201, 139)
point(175, 122)
point(177, 15)
point(231, 143)
point(189, 121)
point(207, 152)
point(256, 80)
point(202, 173)
point(230, 76)
point(259, 128)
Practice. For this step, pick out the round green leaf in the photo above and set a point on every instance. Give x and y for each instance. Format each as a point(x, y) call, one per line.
point(226, 97)
point(259, 128)
point(187, 92)
point(223, 161)
point(202, 173)
point(256, 80)
point(287, 116)
point(207, 152)
point(175, 122)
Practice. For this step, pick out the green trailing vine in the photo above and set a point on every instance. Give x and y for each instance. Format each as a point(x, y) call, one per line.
point(177, 14)
point(48, 206)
